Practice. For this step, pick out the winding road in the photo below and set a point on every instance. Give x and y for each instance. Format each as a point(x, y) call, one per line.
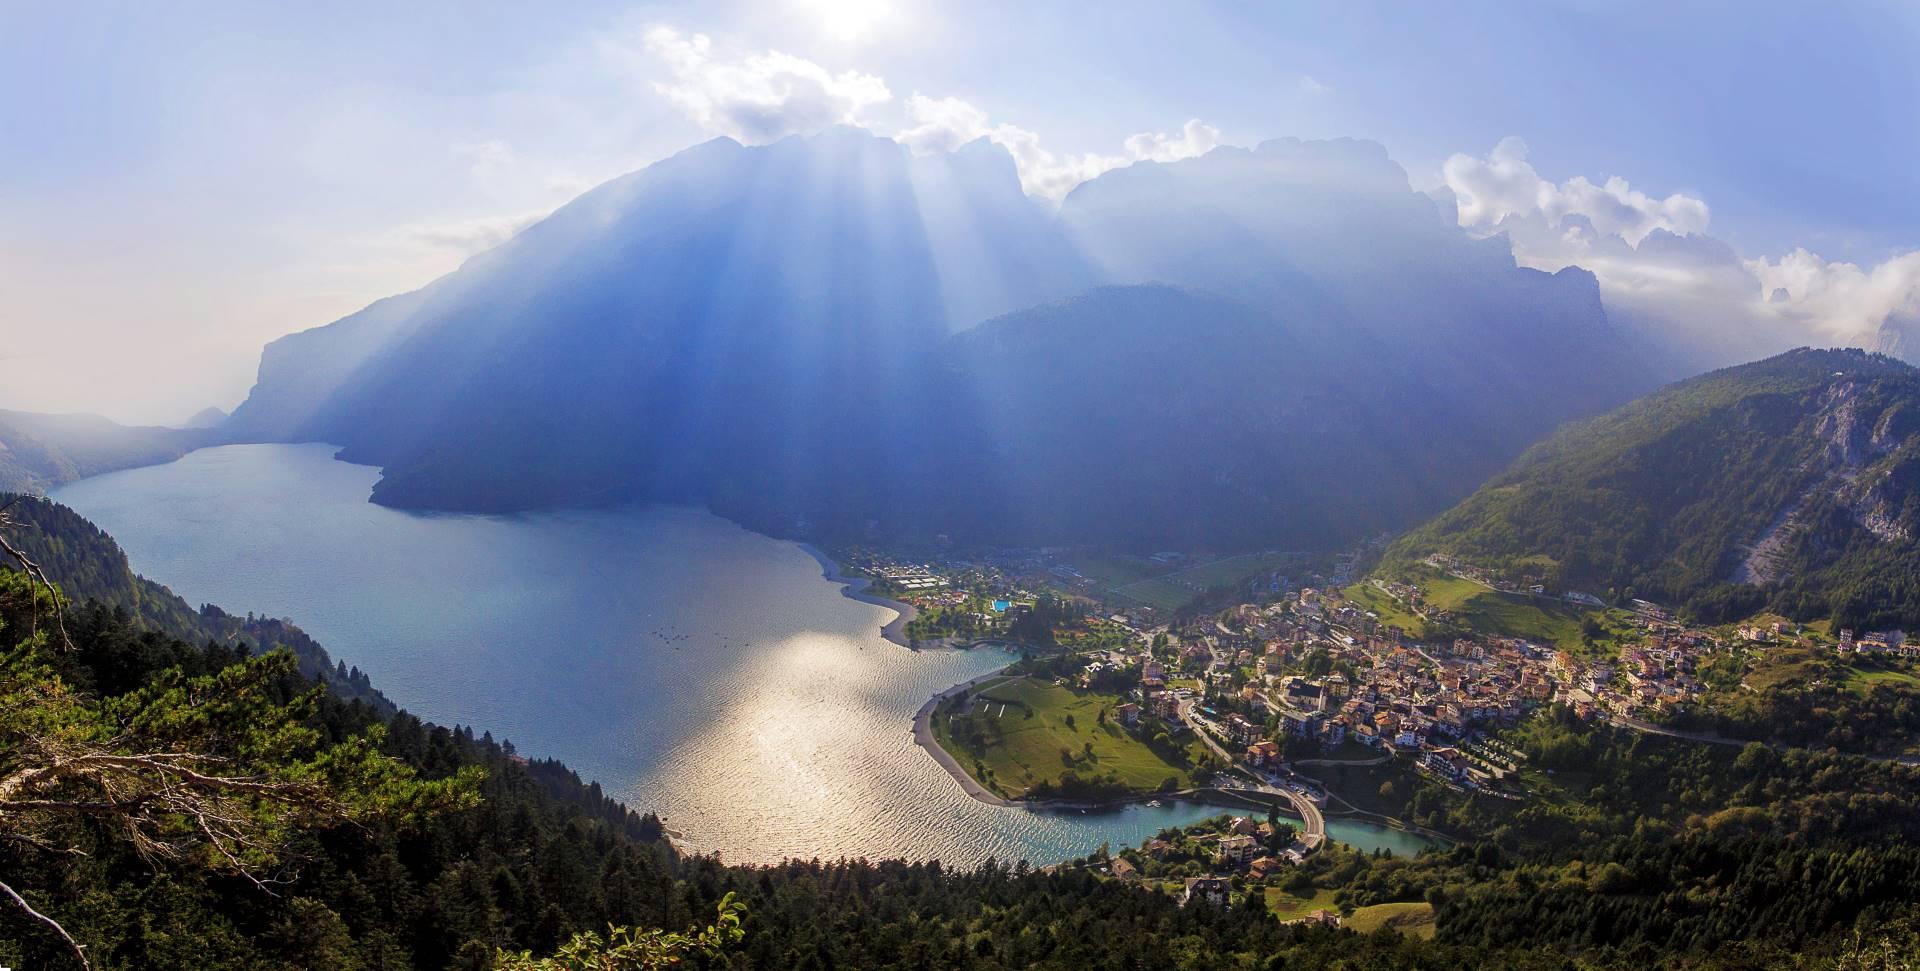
point(1706, 738)
point(1313, 833)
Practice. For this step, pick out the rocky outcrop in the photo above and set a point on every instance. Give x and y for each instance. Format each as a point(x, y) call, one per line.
point(1854, 431)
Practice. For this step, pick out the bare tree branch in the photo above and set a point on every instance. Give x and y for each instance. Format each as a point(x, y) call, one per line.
point(79, 950)
point(34, 574)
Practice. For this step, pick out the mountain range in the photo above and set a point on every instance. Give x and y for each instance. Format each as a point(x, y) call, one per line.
point(1790, 484)
point(832, 336)
point(39, 452)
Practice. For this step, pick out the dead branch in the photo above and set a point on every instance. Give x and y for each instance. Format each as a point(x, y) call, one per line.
point(79, 950)
point(35, 576)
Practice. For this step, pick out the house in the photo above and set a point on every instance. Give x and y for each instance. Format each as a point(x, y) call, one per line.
point(1153, 676)
point(1241, 826)
point(1263, 867)
point(1323, 918)
point(1448, 763)
point(1337, 688)
point(1336, 731)
point(1240, 730)
point(1261, 753)
point(1123, 870)
point(1211, 890)
point(1129, 714)
point(1649, 610)
point(1305, 724)
point(1256, 702)
point(1306, 696)
point(1237, 850)
point(1166, 704)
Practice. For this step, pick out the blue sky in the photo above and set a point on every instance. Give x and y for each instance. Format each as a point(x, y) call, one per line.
point(183, 182)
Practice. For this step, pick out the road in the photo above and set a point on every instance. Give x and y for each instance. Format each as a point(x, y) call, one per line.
point(1642, 725)
point(1313, 831)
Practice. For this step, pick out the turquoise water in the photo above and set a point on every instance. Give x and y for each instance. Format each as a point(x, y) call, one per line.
point(692, 667)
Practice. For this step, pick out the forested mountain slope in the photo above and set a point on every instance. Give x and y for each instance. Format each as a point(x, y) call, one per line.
point(1791, 484)
point(91, 567)
point(39, 452)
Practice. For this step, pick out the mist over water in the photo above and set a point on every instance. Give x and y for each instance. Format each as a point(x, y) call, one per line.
point(694, 668)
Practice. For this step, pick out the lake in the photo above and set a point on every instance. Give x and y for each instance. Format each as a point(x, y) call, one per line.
point(694, 668)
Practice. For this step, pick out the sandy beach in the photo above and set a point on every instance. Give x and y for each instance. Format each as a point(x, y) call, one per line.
point(923, 734)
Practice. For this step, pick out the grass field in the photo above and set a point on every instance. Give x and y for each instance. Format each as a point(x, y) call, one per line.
point(1449, 592)
point(1517, 616)
point(1413, 920)
point(1389, 610)
point(1863, 679)
point(1798, 667)
point(1790, 666)
point(1143, 581)
point(1117, 571)
point(1286, 906)
point(1029, 732)
point(1233, 569)
point(1485, 610)
point(1157, 593)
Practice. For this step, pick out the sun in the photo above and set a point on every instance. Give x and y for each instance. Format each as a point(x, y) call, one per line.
point(847, 20)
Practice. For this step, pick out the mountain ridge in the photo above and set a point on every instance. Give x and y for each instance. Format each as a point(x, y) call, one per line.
point(782, 332)
point(39, 451)
point(1790, 484)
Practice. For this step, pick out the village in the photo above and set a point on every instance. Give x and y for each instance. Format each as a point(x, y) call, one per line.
point(1297, 676)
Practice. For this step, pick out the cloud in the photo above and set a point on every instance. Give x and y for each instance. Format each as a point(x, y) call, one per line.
point(1311, 86)
point(1658, 269)
point(1046, 174)
point(1877, 307)
point(1504, 184)
point(468, 236)
point(758, 97)
point(1195, 138)
point(944, 124)
point(485, 158)
point(568, 184)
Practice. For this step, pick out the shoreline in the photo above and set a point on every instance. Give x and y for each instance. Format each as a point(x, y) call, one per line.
point(1223, 799)
point(854, 588)
point(923, 734)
